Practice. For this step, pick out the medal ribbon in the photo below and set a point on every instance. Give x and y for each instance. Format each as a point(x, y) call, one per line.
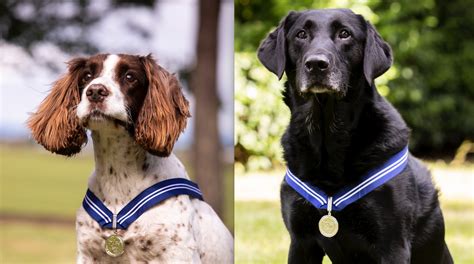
point(140, 204)
point(373, 179)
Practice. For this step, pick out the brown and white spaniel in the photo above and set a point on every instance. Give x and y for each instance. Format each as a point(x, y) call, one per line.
point(135, 110)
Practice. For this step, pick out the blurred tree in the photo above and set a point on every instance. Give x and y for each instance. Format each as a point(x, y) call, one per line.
point(26, 22)
point(260, 114)
point(431, 82)
point(254, 18)
point(207, 156)
point(433, 43)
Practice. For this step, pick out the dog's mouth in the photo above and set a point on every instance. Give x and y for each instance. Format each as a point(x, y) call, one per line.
point(325, 86)
point(317, 89)
point(331, 82)
point(96, 116)
point(320, 88)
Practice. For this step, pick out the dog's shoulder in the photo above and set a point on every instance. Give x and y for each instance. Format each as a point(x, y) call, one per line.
point(170, 167)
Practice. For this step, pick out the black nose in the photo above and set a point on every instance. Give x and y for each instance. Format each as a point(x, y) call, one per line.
point(96, 93)
point(317, 63)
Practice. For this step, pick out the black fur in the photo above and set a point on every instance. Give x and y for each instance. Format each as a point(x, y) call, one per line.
point(339, 129)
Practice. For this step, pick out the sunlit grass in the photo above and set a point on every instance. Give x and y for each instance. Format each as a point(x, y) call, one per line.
point(261, 236)
point(459, 220)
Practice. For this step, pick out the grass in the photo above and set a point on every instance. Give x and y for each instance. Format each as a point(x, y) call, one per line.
point(35, 183)
point(459, 220)
point(27, 243)
point(262, 238)
point(260, 234)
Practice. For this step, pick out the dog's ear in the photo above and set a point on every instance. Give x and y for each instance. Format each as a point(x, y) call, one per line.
point(164, 113)
point(377, 55)
point(272, 50)
point(55, 125)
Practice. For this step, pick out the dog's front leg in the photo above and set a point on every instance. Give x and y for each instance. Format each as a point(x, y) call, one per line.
point(397, 254)
point(305, 251)
point(80, 258)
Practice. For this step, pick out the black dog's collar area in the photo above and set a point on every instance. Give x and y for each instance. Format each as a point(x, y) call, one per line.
point(350, 194)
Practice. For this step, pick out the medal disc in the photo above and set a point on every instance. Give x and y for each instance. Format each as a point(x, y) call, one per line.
point(114, 246)
point(328, 226)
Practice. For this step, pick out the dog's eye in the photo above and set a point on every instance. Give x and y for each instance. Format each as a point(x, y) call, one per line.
point(343, 34)
point(129, 77)
point(302, 34)
point(86, 77)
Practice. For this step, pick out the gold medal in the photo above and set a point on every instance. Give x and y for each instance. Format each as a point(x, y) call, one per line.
point(114, 245)
point(328, 225)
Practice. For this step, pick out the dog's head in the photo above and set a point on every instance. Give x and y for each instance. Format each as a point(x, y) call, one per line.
point(322, 48)
point(129, 91)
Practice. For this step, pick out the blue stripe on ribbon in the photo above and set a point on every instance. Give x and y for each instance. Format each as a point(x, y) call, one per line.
point(373, 179)
point(93, 205)
point(141, 203)
point(317, 197)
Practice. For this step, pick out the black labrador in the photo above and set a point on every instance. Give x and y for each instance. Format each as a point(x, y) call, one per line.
point(340, 128)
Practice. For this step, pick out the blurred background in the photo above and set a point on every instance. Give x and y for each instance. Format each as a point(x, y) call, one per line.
point(39, 191)
point(431, 84)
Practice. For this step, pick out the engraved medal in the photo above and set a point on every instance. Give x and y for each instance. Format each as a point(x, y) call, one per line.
point(114, 245)
point(328, 225)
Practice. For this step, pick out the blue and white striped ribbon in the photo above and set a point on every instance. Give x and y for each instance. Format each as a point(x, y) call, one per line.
point(140, 204)
point(373, 179)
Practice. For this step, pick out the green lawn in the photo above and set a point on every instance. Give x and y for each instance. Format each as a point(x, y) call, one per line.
point(262, 238)
point(35, 183)
point(27, 243)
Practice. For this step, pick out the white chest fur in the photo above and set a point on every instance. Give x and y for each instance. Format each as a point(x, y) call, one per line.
point(178, 230)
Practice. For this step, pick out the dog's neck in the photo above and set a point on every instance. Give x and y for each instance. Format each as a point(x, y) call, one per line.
point(123, 169)
point(340, 136)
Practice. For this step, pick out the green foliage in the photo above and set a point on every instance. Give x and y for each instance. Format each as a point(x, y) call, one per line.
point(253, 19)
point(260, 114)
point(434, 55)
point(430, 83)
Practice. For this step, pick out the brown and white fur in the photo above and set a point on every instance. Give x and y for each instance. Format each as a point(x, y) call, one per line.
point(135, 110)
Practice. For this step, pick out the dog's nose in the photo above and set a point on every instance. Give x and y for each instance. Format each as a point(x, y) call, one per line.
point(96, 93)
point(317, 63)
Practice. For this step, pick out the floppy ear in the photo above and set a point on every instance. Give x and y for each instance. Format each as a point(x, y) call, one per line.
point(164, 113)
point(377, 55)
point(272, 50)
point(55, 124)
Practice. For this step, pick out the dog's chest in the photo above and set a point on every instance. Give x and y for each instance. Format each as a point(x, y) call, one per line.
point(163, 232)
